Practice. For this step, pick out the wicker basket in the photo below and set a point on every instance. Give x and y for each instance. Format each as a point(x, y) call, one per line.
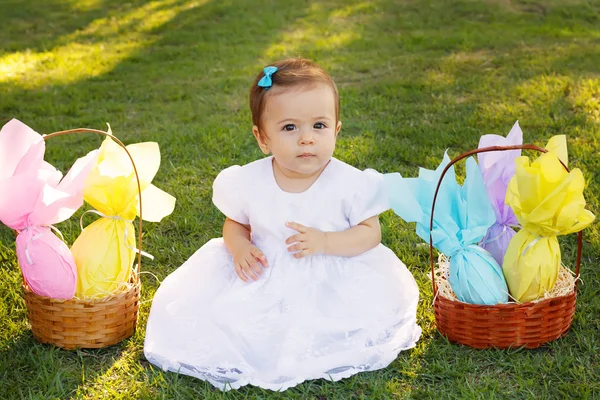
point(87, 323)
point(508, 325)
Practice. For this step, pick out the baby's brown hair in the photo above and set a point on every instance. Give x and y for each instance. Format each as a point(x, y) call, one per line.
point(291, 72)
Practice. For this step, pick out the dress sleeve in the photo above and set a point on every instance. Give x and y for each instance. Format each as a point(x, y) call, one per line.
point(370, 197)
point(228, 194)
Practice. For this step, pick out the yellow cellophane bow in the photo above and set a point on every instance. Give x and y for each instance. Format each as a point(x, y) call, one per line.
point(105, 251)
point(548, 201)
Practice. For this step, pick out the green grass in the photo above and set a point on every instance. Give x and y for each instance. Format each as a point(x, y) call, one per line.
point(415, 77)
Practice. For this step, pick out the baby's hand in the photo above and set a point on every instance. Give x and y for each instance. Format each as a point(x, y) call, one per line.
point(308, 241)
point(247, 262)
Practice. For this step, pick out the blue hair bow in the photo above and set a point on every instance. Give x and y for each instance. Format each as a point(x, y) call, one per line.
point(266, 80)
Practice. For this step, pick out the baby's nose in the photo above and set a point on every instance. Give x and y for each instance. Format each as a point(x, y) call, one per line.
point(306, 136)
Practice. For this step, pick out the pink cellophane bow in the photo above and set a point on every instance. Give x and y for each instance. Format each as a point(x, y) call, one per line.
point(497, 168)
point(33, 198)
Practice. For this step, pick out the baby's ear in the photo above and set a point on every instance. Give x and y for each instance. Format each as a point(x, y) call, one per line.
point(338, 127)
point(260, 140)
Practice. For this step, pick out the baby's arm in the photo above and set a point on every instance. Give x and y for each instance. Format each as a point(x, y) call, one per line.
point(246, 256)
point(349, 243)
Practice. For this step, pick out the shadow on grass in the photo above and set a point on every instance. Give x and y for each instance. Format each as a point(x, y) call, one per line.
point(40, 25)
point(560, 369)
point(34, 370)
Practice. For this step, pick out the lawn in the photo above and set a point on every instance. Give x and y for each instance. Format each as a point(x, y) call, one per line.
point(415, 78)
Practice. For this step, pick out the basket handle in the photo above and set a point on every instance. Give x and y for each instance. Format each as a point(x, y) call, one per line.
point(117, 141)
point(486, 150)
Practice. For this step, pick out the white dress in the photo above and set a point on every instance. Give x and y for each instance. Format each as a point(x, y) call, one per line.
point(316, 317)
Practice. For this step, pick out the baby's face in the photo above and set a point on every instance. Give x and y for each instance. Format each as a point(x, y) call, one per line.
point(300, 128)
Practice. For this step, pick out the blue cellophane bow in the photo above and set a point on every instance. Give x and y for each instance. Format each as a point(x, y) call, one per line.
point(266, 80)
point(462, 217)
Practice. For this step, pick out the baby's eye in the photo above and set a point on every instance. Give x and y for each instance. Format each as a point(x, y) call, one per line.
point(289, 127)
point(319, 125)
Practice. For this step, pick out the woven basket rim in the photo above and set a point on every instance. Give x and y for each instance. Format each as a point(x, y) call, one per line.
point(134, 282)
point(509, 305)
